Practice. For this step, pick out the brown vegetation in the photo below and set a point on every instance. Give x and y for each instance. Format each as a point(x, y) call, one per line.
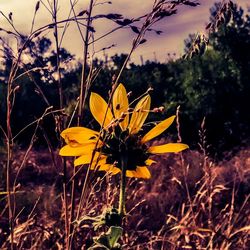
point(190, 203)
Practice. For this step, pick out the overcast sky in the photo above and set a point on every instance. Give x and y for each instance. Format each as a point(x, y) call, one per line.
point(175, 29)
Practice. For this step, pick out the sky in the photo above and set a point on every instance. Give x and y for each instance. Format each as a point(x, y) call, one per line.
point(158, 47)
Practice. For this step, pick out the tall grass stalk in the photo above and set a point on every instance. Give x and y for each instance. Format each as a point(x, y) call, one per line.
point(61, 122)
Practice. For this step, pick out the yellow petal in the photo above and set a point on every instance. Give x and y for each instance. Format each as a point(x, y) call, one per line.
point(167, 148)
point(120, 105)
point(83, 149)
point(110, 168)
point(114, 170)
point(143, 172)
point(100, 165)
point(140, 172)
point(140, 114)
point(79, 135)
point(149, 162)
point(106, 167)
point(86, 159)
point(72, 151)
point(130, 173)
point(158, 129)
point(100, 110)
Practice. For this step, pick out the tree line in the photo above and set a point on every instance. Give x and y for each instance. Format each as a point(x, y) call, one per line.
point(214, 85)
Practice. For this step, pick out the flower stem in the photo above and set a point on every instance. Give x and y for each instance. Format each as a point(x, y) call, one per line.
point(122, 197)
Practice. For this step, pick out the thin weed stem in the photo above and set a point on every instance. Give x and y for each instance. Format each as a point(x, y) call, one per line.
point(9, 156)
point(61, 123)
point(184, 167)
point(84, 65)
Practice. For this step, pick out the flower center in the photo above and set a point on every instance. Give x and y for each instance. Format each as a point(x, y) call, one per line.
point(119, 144)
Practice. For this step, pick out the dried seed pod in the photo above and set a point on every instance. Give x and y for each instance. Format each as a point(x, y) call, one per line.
point(143, 41)
point(37, 33)
point(81, 13)
point(208, 26)
point(135, 29)
point(114, 16)
point(10, 16)
point(37, 6)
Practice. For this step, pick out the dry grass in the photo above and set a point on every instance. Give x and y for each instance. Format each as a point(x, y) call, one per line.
point(160, 213)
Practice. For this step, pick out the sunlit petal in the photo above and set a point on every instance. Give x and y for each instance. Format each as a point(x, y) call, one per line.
point(167, 148)
point(149, 162)
point(99, 109)
point(140, 114)
point(102, 166)
point(72, 151)
point(120, 105)
point(140, 172)
point(83, 149)
point(114, 170)
point(79, 135)
point(143, 172)
point(130, 173)
point(86, 159)
point(158, 129)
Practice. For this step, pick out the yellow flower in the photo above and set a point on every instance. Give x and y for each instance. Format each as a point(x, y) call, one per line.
point(119, 138)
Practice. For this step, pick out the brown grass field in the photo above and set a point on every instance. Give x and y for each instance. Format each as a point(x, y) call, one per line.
point(189, 203)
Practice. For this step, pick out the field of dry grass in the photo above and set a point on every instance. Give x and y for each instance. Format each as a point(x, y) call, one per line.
point(189, 203)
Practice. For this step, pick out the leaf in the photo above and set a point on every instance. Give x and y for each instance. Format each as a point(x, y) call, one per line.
point(192, 4)
point(164, 13)
point(114, 16)
point(208, 26)
point(10, 16)
point(81, 13)
point(135, 29)
point(127, 21)
point(143, 41)
point(37, 33)
point(109, 239)
point(124, 22)
point(37, 6)
point(158, 32)
point(114, 234)
point(98, 246)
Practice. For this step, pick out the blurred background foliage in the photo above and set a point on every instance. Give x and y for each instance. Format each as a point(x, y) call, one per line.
point(214, 85)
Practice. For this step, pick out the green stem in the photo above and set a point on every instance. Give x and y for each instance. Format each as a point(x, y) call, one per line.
point(122, 198)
